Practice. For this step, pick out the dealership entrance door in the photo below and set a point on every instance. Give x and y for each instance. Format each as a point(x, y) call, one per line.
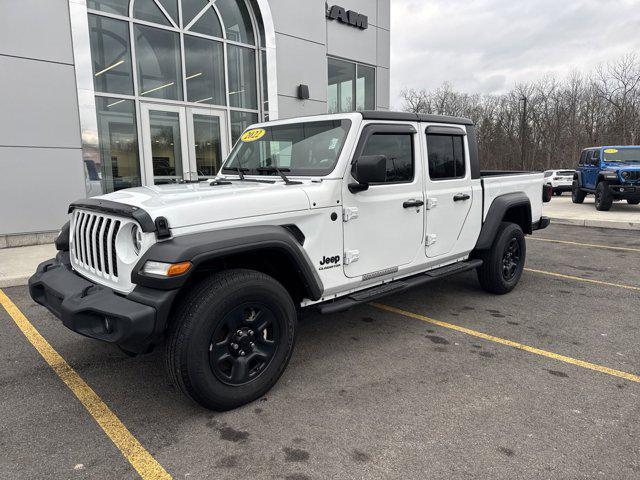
point(182, 143)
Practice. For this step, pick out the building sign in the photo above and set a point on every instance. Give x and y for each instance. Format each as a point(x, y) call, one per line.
point(348, 17)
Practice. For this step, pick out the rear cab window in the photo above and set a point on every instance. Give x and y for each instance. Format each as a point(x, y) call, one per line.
point(446, 155)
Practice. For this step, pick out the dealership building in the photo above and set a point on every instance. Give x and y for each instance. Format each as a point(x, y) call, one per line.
point(101, 95)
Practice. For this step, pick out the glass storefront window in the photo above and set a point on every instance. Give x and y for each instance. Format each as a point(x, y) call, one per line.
point(242, 77)
point(120, 7)
point(171, 7)
point(119, 163)
point(206, 133)
point(351, 87)
point(365, 88)
point(240, 121)
point(158, 58)
point(204, 60)
point(110, 55)
point(191, 8)
point(208, 24)
point(237, 21)
point(166, 146)
point(149, 11)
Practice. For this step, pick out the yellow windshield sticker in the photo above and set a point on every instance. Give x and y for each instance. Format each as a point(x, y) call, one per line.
point(611, 150)
point(253, 135)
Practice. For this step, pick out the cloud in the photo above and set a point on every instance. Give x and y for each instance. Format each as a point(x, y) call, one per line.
point(487, 46)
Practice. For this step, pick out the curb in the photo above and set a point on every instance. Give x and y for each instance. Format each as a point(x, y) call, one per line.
point(18, 281)
point(597, 223)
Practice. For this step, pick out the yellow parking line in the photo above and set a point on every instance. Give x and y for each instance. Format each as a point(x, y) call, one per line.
point(134, 452)
point(562, 358)
point(607, 247)
point(582, 279)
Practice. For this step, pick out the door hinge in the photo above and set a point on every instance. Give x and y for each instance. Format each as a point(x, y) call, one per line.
point(431, 203)
point(349, 213)
point(351, 256)
point(431, 239)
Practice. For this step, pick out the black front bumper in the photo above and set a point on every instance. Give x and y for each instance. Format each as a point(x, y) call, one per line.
point(135, 322)
point(562, 188)
point(541, 224)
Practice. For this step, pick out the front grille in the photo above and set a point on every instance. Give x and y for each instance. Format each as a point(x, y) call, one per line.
point(94, 243)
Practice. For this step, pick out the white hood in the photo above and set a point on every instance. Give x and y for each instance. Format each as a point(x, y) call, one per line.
point(185, 205)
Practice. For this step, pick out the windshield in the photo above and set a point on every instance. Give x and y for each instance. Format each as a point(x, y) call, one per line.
point(306, 149)
point(622, 155)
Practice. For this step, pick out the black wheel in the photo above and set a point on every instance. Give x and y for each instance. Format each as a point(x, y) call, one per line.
point(231, 339)
point(633, 202)
point(604, 199)
point(577, 195)
point(503, 264)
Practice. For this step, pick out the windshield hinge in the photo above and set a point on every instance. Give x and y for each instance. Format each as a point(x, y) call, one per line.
point(431, 239)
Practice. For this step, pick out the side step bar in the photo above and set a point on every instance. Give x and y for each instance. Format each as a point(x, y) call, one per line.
point(364, 296)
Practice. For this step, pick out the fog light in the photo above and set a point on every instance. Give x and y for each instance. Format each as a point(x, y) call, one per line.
point(165, 269)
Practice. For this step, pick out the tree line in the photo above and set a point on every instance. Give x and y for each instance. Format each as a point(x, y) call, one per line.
point(545, 124)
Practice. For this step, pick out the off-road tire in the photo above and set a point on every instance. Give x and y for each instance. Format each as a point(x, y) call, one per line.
point(604, 198)
point(577, 195)
point(200, 314)
point(491, 274)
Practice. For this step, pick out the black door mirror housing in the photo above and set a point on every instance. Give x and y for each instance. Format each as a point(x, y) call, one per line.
point(368, 169)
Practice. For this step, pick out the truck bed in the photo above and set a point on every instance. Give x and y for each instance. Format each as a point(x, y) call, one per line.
point(497, 182)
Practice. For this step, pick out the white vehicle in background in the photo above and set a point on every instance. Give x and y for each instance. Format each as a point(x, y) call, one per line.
point(325, 212)
point(560, 180)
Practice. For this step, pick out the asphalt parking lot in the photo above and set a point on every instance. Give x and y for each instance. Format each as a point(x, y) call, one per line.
point(397, 390)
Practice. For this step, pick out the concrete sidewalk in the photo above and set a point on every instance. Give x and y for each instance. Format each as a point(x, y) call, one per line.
point(563, 211)
point(18, 264)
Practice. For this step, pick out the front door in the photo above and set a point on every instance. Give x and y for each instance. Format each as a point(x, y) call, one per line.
point(182, 143)
point(448, 188)
point(384, 225)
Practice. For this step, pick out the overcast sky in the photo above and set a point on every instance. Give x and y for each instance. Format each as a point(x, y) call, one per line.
point(487, 46)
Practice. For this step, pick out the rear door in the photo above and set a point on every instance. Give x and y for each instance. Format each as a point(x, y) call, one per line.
point(384, 225)
point(448, 188)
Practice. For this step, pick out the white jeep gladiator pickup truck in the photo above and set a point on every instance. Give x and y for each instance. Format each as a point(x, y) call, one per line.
point(324, 212)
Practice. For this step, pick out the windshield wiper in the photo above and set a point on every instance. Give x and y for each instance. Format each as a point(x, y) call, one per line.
point(279, 171)
point(241, 172)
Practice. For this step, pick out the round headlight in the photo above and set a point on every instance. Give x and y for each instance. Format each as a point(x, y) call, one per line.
point(625, 175)
point(136, 239)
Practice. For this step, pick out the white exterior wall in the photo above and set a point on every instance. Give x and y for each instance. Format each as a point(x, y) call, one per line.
point(41, 167)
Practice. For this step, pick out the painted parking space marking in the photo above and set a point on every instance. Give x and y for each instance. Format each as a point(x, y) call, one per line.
point(582, 279)
point(509, 343)
point(590, 245)
point(139, 458)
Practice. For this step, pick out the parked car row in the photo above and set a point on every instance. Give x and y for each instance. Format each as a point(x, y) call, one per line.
point(609, 173)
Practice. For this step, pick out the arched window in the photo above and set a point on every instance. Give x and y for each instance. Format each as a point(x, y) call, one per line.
point(185, 54)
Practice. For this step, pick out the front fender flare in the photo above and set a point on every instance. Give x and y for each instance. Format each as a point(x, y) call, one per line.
point(201, 247)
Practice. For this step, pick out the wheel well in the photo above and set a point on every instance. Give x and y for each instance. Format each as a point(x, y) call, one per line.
point(273, 262)
point(520, 215)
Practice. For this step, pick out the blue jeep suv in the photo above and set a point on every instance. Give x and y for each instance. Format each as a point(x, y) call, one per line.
point(610, 173)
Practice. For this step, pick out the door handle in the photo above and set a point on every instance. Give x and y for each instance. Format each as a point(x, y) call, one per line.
point(461, 197)
point(413, 204)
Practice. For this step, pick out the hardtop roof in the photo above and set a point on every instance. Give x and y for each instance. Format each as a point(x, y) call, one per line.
point(413, 117)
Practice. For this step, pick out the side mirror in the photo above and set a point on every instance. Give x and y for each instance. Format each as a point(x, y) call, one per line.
point(368, 169)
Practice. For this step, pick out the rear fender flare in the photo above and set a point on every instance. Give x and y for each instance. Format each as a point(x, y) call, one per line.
point(515, 202)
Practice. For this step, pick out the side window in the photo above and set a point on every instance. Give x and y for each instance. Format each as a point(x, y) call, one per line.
point(583, 157)
point(446, 156)
point(398, 148)
point(587, 158)
point(596, 157)
point(548, 173)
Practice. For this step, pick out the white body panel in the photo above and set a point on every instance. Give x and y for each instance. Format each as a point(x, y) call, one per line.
point(386, 236)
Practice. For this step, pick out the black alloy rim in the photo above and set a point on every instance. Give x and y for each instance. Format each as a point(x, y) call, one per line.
point(511, 259)
point(598, 197)
point(244, 344)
